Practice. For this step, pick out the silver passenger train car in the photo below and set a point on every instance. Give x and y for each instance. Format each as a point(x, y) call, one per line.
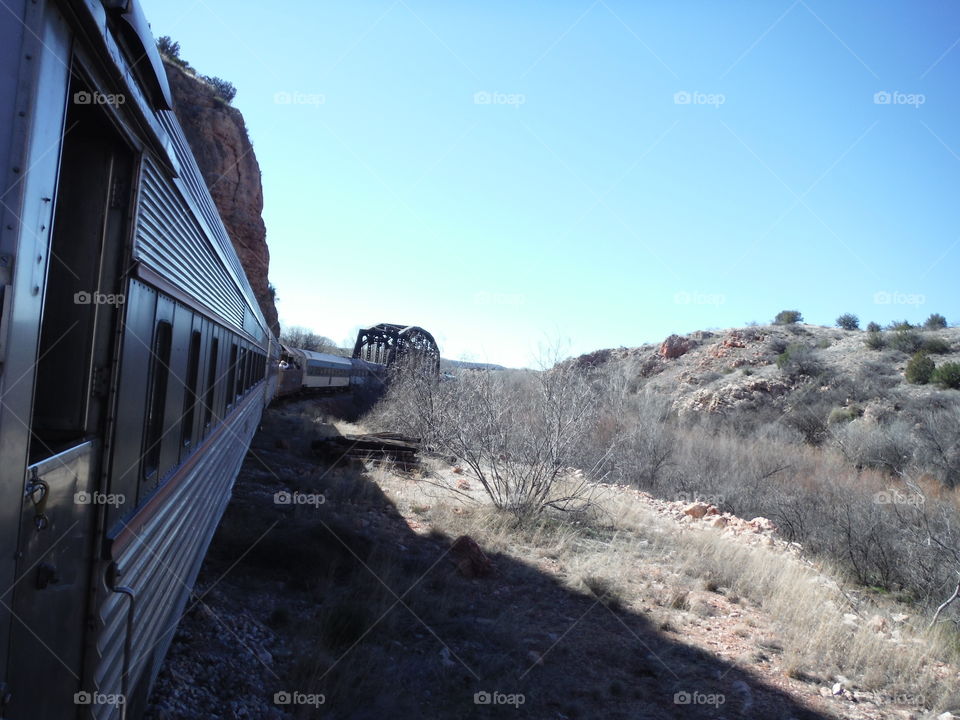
point(135, 362)
point(305, 371)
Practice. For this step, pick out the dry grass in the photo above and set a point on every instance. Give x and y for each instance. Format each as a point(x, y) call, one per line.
point(628, 557)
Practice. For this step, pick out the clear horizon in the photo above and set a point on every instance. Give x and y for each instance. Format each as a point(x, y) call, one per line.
point(594, 173)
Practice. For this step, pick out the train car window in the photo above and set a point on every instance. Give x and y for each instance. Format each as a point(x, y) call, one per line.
point(232, 376)
point(81, 300)
point(190, 390)
point(156, 397)
point(211, 384)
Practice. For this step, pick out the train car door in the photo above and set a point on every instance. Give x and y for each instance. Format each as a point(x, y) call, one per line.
point(65, 497)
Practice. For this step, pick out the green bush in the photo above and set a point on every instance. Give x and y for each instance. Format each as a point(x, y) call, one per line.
point(919, 369)
point(900, 325)
point(873, 327)
point(848, 321)
point(224, 89)
point(947, 375)
point(906, 340)
point(936, 321)
point(169, 47)
point(936, 346)
point(788, 317)
point(843, 414)
point(875, 340)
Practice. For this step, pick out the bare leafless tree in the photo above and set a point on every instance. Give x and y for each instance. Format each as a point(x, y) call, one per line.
point(305, 339)
point(516, 433)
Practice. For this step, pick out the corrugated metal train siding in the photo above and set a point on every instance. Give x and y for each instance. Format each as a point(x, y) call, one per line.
point(172, 242)
point(159, 568)
point(193, 180)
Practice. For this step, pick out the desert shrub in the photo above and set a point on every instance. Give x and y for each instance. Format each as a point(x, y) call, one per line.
point(900, 325)
point(799, 359)
point(873, 380)
point(906, 340)
point(224, 89)
point(919, 369)
point(875, 340)
point(823, 343)
point(935, 346)
point(788, 317)
point(848, 321)
point(947, 375)
point(936, 321)
point(873, 327)
point(807, 412)
point(844, 414)
point(514, 433)
point(777, 345)
point(937, 435)
point(886, 447)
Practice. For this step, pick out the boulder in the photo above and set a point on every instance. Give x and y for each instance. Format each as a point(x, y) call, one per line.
point(696, 510)
point(762, 524)
point(470, 560)
point(675, 346)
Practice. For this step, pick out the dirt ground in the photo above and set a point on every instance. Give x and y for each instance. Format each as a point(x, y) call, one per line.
point(326, 594)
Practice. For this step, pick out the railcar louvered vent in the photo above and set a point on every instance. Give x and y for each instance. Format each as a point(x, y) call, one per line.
point(172, 242)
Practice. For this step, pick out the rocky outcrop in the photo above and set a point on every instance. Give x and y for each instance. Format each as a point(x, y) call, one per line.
point(218, 137)
point(675, 346)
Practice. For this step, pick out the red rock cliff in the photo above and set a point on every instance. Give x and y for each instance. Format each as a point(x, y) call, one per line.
point(218, 137)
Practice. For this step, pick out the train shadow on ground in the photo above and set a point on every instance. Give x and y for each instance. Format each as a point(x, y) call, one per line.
point(339, 609)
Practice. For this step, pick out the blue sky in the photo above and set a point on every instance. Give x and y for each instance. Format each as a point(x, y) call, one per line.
point(512, 174)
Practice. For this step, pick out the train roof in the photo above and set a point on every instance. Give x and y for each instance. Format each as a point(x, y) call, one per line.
point(335, 360)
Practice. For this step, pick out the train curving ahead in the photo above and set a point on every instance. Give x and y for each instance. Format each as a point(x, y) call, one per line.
point(134, 362)
point(307, 371)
